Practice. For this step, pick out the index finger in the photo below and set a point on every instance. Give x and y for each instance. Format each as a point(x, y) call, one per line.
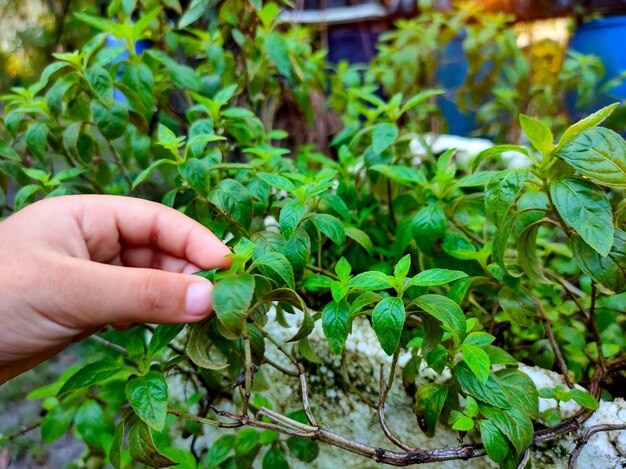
point(141, 223)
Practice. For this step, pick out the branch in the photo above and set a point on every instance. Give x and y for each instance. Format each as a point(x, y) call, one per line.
point(381, 412)
point(22, 431)
point(585, 439)
point(555, 346)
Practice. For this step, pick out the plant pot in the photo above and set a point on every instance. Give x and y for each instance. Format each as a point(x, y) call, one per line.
point(601, 37)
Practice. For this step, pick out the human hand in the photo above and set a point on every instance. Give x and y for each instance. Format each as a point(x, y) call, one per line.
point(71, 265)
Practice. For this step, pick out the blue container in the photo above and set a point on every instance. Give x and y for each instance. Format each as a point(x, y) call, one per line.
point(355, 44)
point(451, 73)
point(605, 38)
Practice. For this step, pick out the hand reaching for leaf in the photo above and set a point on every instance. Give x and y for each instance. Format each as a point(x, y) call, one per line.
point(71, 265)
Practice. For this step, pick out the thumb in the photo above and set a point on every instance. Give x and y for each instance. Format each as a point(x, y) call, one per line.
point(109, 294)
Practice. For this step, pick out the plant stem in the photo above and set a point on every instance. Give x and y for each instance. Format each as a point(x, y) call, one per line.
point(552, 339)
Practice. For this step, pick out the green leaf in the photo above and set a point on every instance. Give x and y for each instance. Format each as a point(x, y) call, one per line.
point(225, 94)
point(429, 228)
point(429, 401)
point(463, 424)
point(335, 324)
point(276, 49)
point(304, 450)
point(246, 440)
point(343, 269)
point(387, 321)
point(277, 267)
point(479, 338)
point(142, 448)
point(446, 311)
point(92, 423)
point(370, 281)
point(36, 174)
point(434, 277)
point(404, 175)
point(184, 77)
point(99, 23)
point(599, 154)
point(146, 173)
point(363, 300)
point(8, 152)
point(101, 83)
point(24, 194)
point(147, 395)
point(298, 251)
point(234, 200)
point(495, 442)
point(608, 271)
point(231, 299)
point(139, 78)
point(143, 23)
point(401, 269)
point(584, 399)
point(419, 98)
point(498, 356)
point(290, 216)
point(539, 134)
point(90, 374)
point(471, 406)
point(276, 180)
point(586, 208)
point(201, 350)
point(330, 226)
point(522, 391)
point(162, 336)
point(361, 237)
point(516, 426)
point(168, 139)
point(584, 124)
point(479, 179)
point(490, 392)
point(37, 139)
point(502, 191)
point(527, 253)
point(383, 136)
point(115, 453)
point(478, 361)
point(219, 451)
point(196, 10)
point(111, 121)
point(496, 151)
point(518, 305)
point(275, 459)
point(56, 422)
point(46, 75)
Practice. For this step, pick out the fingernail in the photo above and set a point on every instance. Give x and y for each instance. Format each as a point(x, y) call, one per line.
point(198, 300)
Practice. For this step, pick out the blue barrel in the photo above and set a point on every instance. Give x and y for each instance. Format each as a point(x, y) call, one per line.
point(356, 44)
point(451, 72)
point(605, 38)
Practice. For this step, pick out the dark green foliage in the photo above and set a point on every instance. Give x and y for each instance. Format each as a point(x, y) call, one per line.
point(460, 266)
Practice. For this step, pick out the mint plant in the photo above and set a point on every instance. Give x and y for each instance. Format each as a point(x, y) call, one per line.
point(467, 267)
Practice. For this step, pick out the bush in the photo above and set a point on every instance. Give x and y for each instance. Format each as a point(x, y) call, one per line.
point(470, 269)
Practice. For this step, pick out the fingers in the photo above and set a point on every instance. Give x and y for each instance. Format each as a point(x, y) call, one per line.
point(100, 294)
point(153, 259)
point(140, 223)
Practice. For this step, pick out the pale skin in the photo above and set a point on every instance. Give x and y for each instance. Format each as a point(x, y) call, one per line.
point(72, 265)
